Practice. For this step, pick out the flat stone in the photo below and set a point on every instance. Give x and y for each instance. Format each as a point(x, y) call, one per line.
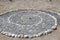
point(27, 23)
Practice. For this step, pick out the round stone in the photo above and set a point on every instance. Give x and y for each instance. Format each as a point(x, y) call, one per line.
point(27, 23)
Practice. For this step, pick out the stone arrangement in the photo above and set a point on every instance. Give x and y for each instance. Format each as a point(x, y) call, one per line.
point(27, 23)
point(56, 15)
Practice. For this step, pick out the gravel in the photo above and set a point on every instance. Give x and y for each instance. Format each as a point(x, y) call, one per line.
point(27, 23)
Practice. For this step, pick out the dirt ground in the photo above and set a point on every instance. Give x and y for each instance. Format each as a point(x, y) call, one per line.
point(53, 5)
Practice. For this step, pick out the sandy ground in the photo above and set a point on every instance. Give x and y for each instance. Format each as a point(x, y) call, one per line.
point(54, 5)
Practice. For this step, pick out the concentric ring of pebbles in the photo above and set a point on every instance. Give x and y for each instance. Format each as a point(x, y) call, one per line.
point(27, 23)
point(55, 14)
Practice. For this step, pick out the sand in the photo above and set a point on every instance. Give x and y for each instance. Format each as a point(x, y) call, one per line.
point(54, 5)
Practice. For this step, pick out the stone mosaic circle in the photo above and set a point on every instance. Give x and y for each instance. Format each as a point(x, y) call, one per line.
point(26, 23)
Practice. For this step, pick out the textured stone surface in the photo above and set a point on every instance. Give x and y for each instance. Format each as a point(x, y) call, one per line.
point(27, 23)
point(56, 15)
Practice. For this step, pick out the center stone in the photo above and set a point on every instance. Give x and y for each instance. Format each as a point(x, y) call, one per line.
point(27, 19)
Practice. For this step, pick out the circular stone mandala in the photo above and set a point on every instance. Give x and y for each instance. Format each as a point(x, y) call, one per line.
point(27, 23)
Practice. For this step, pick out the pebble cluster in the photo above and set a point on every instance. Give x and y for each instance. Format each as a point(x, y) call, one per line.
point(55, 14)
point(27, 23)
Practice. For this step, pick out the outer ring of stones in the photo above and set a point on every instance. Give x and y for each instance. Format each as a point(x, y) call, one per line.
point(35, 35)
point(53, 13)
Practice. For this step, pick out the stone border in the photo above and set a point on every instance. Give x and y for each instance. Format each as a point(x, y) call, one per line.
point(35, 35)
point(53, 13)
point(31, 9)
